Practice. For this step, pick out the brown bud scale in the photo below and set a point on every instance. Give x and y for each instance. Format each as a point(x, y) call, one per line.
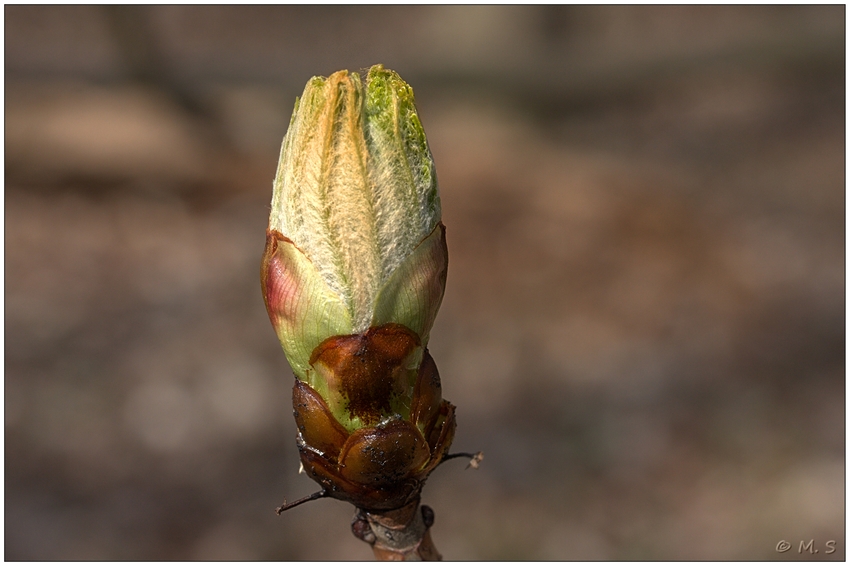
point(369, 368)
point(382, 466)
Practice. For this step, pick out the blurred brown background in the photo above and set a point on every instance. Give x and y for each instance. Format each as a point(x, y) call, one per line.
point(643, 328)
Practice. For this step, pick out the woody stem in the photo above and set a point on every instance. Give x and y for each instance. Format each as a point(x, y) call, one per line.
point(399, 534)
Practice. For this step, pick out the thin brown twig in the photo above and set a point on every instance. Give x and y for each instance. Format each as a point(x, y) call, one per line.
point(474, 459)
point(312, 497)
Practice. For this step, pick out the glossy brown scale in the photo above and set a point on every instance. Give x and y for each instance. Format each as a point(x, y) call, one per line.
point(317, 426)
point(382, 466)
point(384, 455)
point(369, 368)
point(427, 394)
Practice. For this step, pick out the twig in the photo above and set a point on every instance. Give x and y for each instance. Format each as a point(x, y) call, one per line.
point(474, 459)
point(312, 497)
point(400, 534)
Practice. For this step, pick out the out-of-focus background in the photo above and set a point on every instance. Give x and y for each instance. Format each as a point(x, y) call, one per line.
point(643, 327)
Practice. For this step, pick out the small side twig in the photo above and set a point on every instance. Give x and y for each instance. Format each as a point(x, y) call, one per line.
point(312, 497)
point(474, 459)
